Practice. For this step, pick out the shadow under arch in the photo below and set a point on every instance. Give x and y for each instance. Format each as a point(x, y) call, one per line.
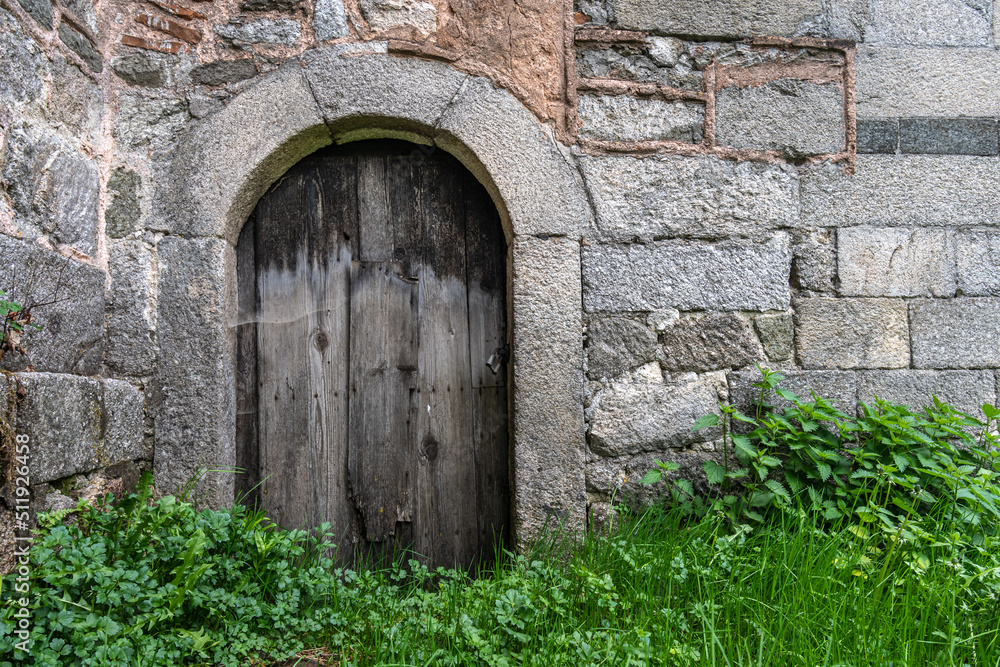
point(339, 94)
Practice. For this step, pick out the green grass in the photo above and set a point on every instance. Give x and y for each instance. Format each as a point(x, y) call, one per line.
point(793, 594)
point(160, 584)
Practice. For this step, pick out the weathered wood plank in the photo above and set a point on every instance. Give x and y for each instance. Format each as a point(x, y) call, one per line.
point(446, 481)
point(247, 455)
point(286, 301)
point(383, 369)
point(338, 176)
point(330, 354)
point(487, 284)
point(374, 228)
point(490, 439)
point(404, 211)
point(487, 287)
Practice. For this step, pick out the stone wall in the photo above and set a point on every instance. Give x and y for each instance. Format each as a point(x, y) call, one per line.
point(54, 251)
point(809, 184)
point(854, 248)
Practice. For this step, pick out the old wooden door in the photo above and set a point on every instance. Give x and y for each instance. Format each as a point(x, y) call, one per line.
point(372, 293)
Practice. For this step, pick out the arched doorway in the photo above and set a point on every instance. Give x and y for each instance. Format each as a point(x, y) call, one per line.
point(372, 283)
point(229, 159)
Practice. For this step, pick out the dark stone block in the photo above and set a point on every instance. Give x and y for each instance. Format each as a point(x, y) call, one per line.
point(776, 333)
point(616, 345)
point(72, 184)
point(82, 47)
point(949, 136)
point(272, 6)
point(53, 187)
point(139, 69)
point(129, 320)
point(878, 136)
point(78, 424)
point(223, 71)
point(600, 11)
point(710, 343)
point(71, 337)
point(21, 70)
point(40, 10)
point(839, 387)
point(124, 210)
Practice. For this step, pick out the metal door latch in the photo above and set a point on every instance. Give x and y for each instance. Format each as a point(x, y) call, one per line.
point(498, 358)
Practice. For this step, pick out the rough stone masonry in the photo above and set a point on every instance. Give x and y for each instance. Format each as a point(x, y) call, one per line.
point(812, 185)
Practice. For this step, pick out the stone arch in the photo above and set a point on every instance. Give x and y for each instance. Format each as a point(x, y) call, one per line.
point(340, 94)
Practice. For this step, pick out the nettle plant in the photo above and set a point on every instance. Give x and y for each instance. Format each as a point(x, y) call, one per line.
point(909, 474)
